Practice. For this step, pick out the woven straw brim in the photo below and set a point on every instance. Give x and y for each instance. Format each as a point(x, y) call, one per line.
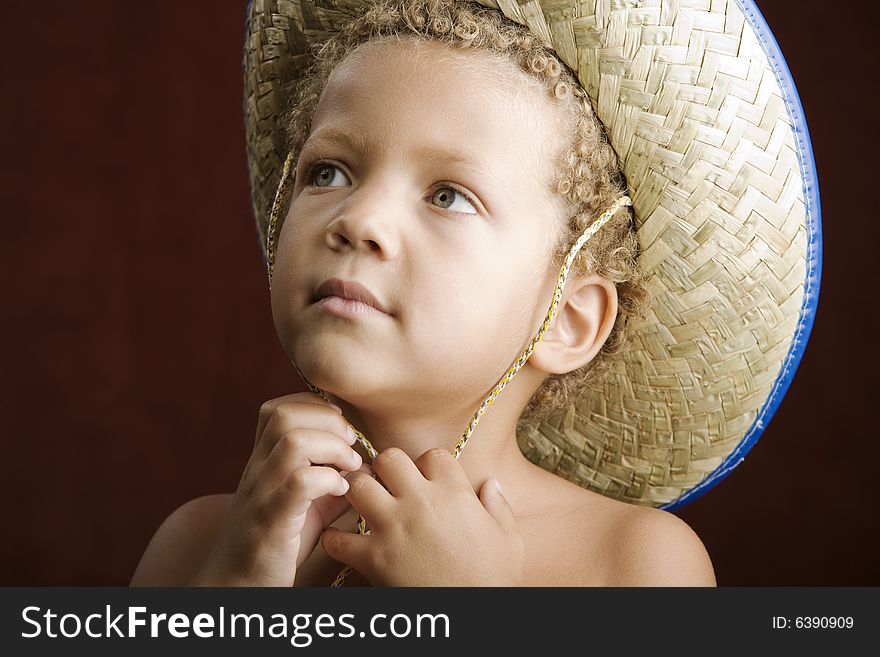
point(697, 116)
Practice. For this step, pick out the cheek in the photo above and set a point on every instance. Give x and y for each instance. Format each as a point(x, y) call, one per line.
point(518, 306)
point(293, 237)
point(477, 313)
point(290, 282)
point(284, 314)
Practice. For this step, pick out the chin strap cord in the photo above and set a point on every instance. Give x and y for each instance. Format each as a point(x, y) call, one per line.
point(511, 372)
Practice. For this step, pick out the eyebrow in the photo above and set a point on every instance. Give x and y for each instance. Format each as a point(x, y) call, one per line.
point(359, 143)
point(355, 141)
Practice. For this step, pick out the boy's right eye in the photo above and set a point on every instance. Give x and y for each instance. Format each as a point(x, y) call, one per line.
point(321, 174)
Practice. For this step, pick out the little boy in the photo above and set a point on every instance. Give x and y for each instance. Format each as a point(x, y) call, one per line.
point(418, 254)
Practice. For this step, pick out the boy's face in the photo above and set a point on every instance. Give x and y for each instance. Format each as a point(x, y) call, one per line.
point(439, 205)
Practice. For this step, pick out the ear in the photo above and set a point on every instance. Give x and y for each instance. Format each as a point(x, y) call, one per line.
point(583, 322)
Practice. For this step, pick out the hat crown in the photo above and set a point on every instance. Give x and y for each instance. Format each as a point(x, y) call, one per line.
point(701, 110)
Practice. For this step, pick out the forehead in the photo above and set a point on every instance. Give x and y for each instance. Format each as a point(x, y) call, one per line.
point(407, 95)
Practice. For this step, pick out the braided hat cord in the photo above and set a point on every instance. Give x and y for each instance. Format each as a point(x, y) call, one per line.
point(511, 372)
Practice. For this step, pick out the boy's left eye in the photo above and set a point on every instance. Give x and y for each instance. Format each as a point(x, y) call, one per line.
point(445, 197)
point(323, 174)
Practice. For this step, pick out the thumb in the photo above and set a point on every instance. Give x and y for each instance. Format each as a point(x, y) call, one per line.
point(497, 505)
point(333, 506)
point(328, 509)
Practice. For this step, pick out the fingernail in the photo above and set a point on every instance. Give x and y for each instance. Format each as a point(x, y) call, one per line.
point(344, 486)
point(357, 459)
point(498, 485)
point(352, 435)
point(336, 407)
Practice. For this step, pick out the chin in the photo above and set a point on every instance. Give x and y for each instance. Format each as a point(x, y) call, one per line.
point(344, 372)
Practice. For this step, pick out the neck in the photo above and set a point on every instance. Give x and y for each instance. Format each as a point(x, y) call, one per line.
point(490, 451)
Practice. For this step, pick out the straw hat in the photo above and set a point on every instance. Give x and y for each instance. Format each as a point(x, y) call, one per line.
point(703, 114)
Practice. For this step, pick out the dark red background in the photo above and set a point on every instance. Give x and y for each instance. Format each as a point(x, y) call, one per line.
point(137, 340)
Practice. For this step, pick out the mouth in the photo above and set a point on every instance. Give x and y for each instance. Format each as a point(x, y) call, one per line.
point(348, 298)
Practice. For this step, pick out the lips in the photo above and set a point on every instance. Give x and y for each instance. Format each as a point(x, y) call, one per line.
point(335, 287)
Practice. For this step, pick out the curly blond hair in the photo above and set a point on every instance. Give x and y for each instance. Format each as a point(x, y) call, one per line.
point(587, 177)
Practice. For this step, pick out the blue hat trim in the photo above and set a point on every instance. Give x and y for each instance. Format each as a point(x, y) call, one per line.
point(814, 258)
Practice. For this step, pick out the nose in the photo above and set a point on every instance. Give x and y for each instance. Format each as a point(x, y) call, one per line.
point(366, 224)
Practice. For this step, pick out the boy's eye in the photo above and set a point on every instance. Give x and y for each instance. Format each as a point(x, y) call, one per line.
point(445, 197)
point(323, 174)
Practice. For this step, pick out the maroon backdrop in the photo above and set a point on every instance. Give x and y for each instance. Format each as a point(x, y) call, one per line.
point(137, 339)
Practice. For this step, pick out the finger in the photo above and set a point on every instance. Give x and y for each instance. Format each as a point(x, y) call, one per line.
point(498, 507)
point(438, 464)
point(331, 507)
point(370, 499)
point(287, 502)
point(351, 548)
point(269, 407)
point(397, 471)
point(301, 448)
point(288, 417)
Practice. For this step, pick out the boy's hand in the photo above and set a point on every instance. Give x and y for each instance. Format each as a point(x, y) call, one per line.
point(428, 528)
point(284, 499)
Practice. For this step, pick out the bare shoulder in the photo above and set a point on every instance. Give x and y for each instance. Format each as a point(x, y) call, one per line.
point(656, 548)
point(602, 541)
point(182, 543)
